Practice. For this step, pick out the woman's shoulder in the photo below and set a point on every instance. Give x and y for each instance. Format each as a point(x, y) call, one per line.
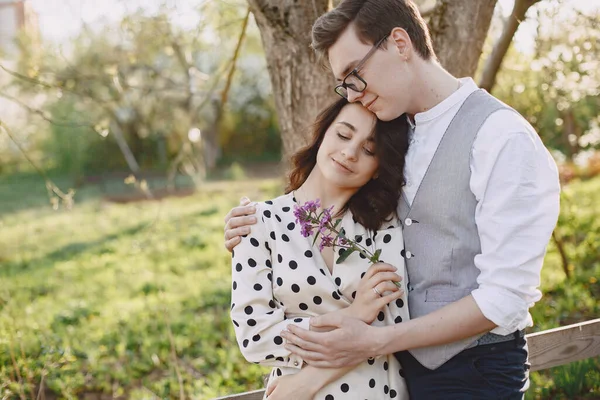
point(351, 225)
point(275, 208)
point(284, 203)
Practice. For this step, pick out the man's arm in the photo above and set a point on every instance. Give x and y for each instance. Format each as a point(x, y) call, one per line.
point(516, 185)
point(352, 341)
point(515, 181)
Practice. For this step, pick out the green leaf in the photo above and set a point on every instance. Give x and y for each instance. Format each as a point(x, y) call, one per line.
point(375, 257)
point(337, 223)
point(345, 254)
point(316, 237)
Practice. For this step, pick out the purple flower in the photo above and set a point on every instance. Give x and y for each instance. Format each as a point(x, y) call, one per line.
point(306, 229)
point(325, 220)
point(342, 241)
point(326, 241)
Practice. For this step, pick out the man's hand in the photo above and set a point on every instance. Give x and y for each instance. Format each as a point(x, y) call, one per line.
point(350, 342)
point(238, 222)
point(296, 387)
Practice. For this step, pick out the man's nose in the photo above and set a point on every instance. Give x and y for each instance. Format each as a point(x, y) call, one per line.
point(353, 95)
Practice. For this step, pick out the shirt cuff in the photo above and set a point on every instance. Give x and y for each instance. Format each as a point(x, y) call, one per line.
point(502, 307)
point(294, 360)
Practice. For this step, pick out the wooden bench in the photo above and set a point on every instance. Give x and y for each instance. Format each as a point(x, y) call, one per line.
point(547, 349)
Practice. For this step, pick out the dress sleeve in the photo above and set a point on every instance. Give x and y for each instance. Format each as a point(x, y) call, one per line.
point(257, 317)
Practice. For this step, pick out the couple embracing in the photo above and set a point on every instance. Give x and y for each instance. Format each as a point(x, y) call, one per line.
point(456, 191)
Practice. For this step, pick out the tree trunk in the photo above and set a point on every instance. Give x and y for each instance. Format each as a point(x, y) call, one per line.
point(300, 86)
point(494, 62)
point(458, 30)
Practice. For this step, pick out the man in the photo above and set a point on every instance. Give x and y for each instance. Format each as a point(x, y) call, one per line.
point(479, 206)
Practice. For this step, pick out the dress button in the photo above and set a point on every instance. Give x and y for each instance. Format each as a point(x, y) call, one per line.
point(295, 363)
point(409, 255)
point(408, 222)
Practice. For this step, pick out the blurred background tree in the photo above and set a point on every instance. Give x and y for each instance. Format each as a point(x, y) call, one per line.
point(131, 300)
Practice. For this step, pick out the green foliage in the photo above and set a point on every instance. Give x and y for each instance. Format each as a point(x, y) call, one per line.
point(557, 89)
point(89, 298)
point(154, 81)
point(131, 300)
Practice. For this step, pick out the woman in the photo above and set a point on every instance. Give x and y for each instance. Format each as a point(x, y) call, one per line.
point(355, 164)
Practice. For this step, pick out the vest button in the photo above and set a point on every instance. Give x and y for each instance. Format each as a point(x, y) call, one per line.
point(409, 255)
point(408, 222)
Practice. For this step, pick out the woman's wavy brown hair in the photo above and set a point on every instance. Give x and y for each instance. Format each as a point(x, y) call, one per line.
point(375, 202)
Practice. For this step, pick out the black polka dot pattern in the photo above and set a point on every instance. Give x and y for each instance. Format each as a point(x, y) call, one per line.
point(279, 278)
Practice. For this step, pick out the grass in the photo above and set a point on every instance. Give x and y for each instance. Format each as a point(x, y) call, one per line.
point(131, 301)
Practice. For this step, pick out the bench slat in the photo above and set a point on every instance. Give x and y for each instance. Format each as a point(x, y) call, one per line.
point(564, 345)
point(547, 349)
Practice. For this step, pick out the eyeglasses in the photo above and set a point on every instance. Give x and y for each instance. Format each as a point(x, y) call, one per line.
point(353, 81)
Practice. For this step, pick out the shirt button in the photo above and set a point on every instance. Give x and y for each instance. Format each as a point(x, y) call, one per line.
point(295, 363)
point(412, 141)
point(408, 183)
point(408, 222)
point(408, 255)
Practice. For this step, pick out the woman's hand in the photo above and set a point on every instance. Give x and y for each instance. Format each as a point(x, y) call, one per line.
point(298, 387)
point(367, 302)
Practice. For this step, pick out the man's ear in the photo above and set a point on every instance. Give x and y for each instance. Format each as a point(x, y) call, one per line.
point(401, 40)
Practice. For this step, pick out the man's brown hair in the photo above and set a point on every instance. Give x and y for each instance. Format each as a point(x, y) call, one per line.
point(372, 19)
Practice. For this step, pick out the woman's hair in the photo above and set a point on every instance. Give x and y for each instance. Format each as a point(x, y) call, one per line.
point(377, 200)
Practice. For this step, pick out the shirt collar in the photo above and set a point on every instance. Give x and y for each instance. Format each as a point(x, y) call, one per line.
point(467, 86)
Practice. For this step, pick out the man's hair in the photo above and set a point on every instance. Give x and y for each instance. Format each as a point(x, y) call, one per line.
point(372, 19)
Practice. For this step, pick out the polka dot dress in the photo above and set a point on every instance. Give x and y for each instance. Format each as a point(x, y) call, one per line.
point(279, 278)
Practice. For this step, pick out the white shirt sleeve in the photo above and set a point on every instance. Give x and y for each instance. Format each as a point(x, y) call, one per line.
point(257, 317)
point(515, 182)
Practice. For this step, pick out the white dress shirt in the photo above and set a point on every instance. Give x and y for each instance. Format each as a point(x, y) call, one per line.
point(515, 182)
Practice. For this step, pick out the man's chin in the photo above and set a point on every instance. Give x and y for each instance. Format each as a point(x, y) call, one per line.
point(387, 115)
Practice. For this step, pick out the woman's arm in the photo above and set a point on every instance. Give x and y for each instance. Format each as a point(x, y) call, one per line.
point(257, 317)
point(305, 384)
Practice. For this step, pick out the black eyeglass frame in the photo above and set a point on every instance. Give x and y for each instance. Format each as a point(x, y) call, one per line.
point(354, 72)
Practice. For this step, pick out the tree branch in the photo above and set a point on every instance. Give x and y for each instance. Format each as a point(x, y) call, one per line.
point(53, 191)
point(494, 61)
point(234, 59)
point(427, 12)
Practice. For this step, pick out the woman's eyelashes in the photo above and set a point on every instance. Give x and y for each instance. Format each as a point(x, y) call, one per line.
point(367, 151)
point(342, 136)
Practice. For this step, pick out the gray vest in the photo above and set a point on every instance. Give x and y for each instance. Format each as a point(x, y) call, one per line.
point(440, 235)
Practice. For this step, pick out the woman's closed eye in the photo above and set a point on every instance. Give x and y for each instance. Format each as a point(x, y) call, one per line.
point(369, 152)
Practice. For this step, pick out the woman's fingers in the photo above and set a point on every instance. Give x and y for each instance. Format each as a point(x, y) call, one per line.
point(387, 286)
point(378, 267)
point(392, 296)
point(382, 277)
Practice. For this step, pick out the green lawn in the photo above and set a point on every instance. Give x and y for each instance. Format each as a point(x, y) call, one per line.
point(131, 301)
